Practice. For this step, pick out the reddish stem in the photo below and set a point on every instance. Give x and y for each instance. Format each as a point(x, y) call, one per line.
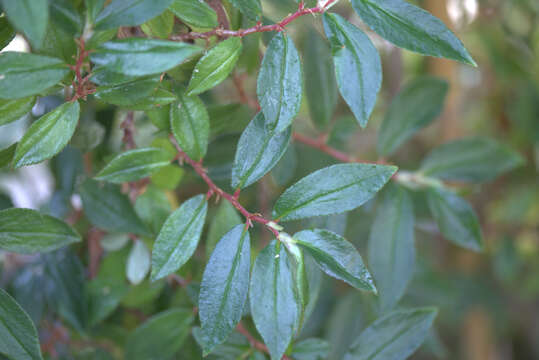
point(81, 85)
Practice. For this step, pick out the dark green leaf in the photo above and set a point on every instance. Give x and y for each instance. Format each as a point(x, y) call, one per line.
point(274, 304)
point(6, 155)
point(178, 237)
point(224, 287)
point(153, 207)
point(160, 117)
point(23, 74)
point(6, 33)
point(456, 218)
point(357, 66)
point(310, 349)
point(250, 8)
point(12, 110)
point(234, 348)
point(128, 93)
point(195, 13)
point(29, 17)
point(280, 83)
point(228, 119)
point(155, 100)
point(64, 15)
point(138, 263)
point(414, 107)
point(160, 26)
point(222, 222)
point(331, 190)
point(129, 13)
point(215, 66)
point(259, 149)
point(412, 28)
point(19, 335)
point(394, 336)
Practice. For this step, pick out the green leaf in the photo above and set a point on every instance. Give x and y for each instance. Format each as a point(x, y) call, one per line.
point(160, 26)
point(320, 83)
point(93, 8)
point(190, 124)
point(250, 8)
point(6, 33)
point(228, 119)
point(28, 231)
point(64, 15)
point(358, 69)
point(48, 135)
point(473, 159)
point(331, 190)
point(456, 219)
point(224, 287)
point(19, 335)
point(310, 349)
point(6, 155)
point(138, 263)
point(222, 222)
point(414, 107)
point(215, 66)
point(153, 207)
point(412, 28)
point(259, 149)
point(23, 74)
point(107, 208)
point(129, 13)
point(274, 304)
point(194, 13)
point(12, 110)
point(336, 257)
point(29, 17)
point(395, 336)
point(161, 336)
point(155, 100)
point(178, 237)
point(127, 93)
point(391, 246)
point(280, 83)
point(299, 273)
point(139, 57)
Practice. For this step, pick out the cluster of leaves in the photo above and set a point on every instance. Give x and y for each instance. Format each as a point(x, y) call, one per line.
point(147, 58)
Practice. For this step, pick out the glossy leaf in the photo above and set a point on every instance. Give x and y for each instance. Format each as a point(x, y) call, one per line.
point(19, 335)
point(414, 107)
point(391, 246)
point(215, 66)
point(48, 135)
point(250, 8)
point(456, 219)
point(357, 66)
point(139, 57)
point(138, 263)
point(336, 257)
point(178, 237)
point(259, 149)
point(29, 17)
point(23, 74)
point(395, 336)
point(127, 93)
point(195, 13)
point(12, 110)
point(273, 300)
point(310, 349)
point(224, 287)
point(412, 28)
point(129, 13)
point(331, 190)
point(473, 159)
point(65, 16)
point(280, 83)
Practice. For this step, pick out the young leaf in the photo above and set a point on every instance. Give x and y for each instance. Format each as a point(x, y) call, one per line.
point(250, 8)
point(19, 335)
point(129, 13)
point(336, 257)
point(29, 17)
point(12, 110)
point(331, 190)
point(195, 13)
point(28, 231)
point(48, 135)
point(178, 237)
point(23, 74)
point(395, 336)
point(311, 349)
point(190, 124)
point(215, 66)
point(357, 66)
point(456, 218)
point(259, 149)
point(127, 93)
point(139, 57)
point(224, 287)
point(414, 107)
point(412, 28)
point(280, 83)
point(391, 246)
point(473, 159)
point(138, 263)
point(274, 304)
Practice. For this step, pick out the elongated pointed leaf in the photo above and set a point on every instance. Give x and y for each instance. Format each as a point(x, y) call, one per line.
point(195, 13)
point(336, 257)
point(331, 190)
point(391, 246)
point(155, 101)
point(412, 28)
point(29, 17)
point(414, 107)
point(259, 149)
point(394, 336)
point(19, 335)
point(128, 93)
point(311, 349)
point(138, 263)
point(224, 287)
point(48, 135)
point(178, 237)
point(280, 84)
point(274, 304)
point(23, 74)
point(129, 13)
point(28, 231)
point(222, 222)
point(250, 8)
point(11, 110)
point(357, 66)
